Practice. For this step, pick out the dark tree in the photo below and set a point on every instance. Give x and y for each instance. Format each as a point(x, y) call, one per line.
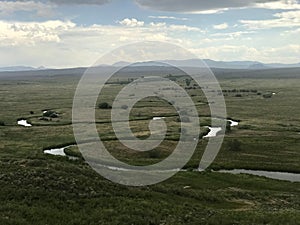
point(104, 105)
point(228, 126)
point(188, 82)
point(268, 95)
point(50, 114)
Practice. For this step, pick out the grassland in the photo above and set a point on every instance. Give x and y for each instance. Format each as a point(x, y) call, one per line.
point(44, 189)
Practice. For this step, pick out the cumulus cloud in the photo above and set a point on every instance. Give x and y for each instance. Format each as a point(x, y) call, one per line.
point(184, 28)
point(233, 35)
point(82, 2)
point(222, 26)
point(194, 6)
point(31, 33)
point(283, 4)
point(175, 27)
point(283, 19)
point(76, 45)
point(44, 8)
point(9, 7)
point(283, 54)
point(40, 43)
point(131, 22)
point(169, 18)
point(86, 2)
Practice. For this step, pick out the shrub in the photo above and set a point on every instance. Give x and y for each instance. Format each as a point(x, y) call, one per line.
point(184, 119)
point(154, 154)
point(104, 105)
point(53, 115)
point(43, 119)
point(124, 107)
point(268, 95)
point(228, 126)
point(188, 82)
point(2, 123)
point(183, 113)
point(50, 114)
point(234, 145)
point(182, 130)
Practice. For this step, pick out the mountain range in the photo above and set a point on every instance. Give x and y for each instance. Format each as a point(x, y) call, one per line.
point(249, 65)
point(20, 68)
point(217, 64)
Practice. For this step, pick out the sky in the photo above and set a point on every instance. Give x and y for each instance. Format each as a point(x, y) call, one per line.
point(73, 33)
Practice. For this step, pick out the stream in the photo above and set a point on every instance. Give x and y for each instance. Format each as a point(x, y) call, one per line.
point(24, 123)
point(60, 152)
point(293, 177)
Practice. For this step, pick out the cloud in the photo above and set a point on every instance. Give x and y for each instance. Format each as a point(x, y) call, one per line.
point(69, 2)
point(81, 2)
point(233, 35)
point(76, 45)
point(184, 28)
point(40, 43)
point(283, 19)
point(9, 7)
point(131, 22)
point(31, 33)
point(222, 26)
point(198, 6)
point(175, 27)
point(169, 18)
point(283, 4)
point(282, 54)
point(42, 8)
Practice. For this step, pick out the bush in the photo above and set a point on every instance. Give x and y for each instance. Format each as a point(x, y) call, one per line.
point(53, 115)
point(184, 119)
point(188, 82)
point(104, 105)
point(50, 114)
point(183, 113)
point(234, 145)
point(228, 126)
point(43, 119)
point(154, 154)
point(124, 107)
point(2, 123)
point(268, 95)
point(182, 130)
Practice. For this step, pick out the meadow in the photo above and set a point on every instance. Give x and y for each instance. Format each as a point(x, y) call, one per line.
point(38, 188)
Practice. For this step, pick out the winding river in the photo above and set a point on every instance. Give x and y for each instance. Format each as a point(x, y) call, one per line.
point(293, 177)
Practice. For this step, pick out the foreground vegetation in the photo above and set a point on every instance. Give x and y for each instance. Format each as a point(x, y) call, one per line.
point(44, 189)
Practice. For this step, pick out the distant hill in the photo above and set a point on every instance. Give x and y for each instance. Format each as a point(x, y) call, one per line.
point(240, 65)
point(230, 65)
point(218, 64)
point(20, 68)
point(141, 68)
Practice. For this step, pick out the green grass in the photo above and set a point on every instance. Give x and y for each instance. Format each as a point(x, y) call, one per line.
point(42, 189)
point(62, 192)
